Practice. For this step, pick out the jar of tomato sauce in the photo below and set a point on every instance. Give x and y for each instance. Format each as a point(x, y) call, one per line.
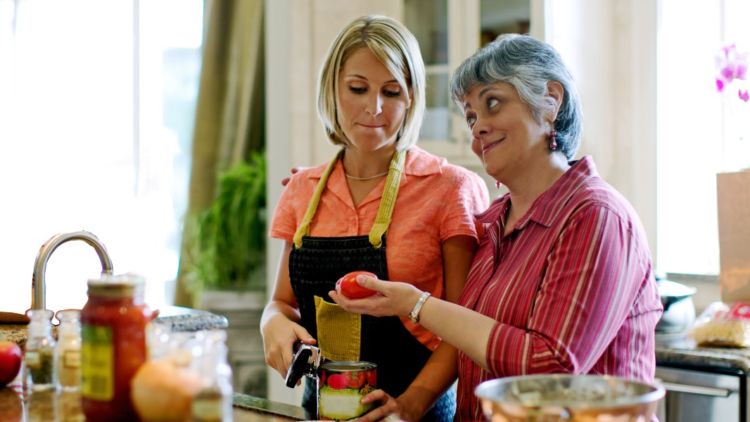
point(113, 347)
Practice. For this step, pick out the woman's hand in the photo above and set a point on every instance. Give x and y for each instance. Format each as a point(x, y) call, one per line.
point(279, 335)
point(389, 406)
point(294, 171)
point(393, 298)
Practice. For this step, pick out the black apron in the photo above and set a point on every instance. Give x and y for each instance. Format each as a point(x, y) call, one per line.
point(316, 263)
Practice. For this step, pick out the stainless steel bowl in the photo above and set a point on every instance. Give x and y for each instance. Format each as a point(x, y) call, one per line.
point(568, 398)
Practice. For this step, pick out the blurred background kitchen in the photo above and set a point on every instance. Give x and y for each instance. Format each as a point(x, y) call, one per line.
point(119, 116)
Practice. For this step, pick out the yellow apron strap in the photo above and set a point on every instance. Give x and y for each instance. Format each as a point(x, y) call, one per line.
point(304, 228)
point(388, 201)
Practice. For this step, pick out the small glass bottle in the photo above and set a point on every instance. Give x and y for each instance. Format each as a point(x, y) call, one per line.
point(68, 350)
point(213, 403)
point(39, 365)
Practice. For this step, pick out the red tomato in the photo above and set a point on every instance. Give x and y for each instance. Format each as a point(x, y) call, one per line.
point(10, 361)
point(372, 378)
point(337, 381)
point(351, 289)
point(357, 379)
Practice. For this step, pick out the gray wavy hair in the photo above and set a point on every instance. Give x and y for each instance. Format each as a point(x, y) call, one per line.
point(528, 65)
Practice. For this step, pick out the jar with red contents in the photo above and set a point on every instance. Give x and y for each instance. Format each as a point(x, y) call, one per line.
point(113, 329)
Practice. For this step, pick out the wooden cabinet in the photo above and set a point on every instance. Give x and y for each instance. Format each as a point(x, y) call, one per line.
point(448, 31)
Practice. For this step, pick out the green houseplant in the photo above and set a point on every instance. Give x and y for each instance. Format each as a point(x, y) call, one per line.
point(227, 241)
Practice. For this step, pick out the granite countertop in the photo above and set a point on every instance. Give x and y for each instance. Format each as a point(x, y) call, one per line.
point(17, 405)
point(680, 351)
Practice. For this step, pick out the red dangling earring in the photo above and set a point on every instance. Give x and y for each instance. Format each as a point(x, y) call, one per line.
point(553, 140)
point(498, 184)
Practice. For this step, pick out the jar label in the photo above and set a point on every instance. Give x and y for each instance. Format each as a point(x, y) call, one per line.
point(32, 359)
point(208, 410)
point(97, 363)
point(72, 358)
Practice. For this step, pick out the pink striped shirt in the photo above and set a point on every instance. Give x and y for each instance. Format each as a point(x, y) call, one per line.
point(571, 288)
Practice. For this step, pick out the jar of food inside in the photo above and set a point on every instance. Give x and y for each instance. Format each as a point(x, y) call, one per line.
point(38, 359)
point(68, 350)
point(341, 387)
point(113, 331)
point(213, 403)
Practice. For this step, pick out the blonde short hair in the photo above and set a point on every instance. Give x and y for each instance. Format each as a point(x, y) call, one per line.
point(397, 49)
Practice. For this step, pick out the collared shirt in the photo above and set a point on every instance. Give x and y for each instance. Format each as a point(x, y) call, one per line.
point(571, 288)
point(436, 201)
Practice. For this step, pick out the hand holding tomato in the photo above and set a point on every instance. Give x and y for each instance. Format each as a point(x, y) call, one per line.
point(349, 287)
point(10, 361)
point(393, 298)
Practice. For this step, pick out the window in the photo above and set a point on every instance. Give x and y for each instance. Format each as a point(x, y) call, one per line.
point(695, 129)
point(97, 101)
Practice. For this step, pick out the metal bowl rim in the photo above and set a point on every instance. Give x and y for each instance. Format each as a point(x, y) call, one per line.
point(650, 397)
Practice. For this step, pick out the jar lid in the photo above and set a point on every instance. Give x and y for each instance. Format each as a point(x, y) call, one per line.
point(116, 285)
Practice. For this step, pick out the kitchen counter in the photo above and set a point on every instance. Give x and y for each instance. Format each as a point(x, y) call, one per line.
point(677, 350)
point(16, 405)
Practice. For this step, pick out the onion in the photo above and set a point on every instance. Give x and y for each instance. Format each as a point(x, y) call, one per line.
point(163, 391)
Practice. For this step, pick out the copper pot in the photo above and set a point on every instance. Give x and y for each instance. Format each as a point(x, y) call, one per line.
point(568, 398)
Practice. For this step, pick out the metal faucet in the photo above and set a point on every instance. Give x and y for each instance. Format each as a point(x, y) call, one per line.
point(38, 288)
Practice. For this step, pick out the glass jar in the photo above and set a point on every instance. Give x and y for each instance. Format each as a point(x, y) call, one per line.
point(68, 350)
point(213, 403)
point(39, 367)
point(113, 346)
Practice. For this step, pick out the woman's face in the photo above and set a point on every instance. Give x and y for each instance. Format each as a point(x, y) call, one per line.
point(371, 103)
point(505, 134)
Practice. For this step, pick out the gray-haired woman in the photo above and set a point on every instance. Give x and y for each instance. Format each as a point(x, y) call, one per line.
point(562, 281)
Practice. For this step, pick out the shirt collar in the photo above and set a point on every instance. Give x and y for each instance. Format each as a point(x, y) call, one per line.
point(418, 163)
point(547, 206)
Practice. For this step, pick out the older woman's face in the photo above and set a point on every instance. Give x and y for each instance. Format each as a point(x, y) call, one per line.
point(505, 134)
point(372, 105)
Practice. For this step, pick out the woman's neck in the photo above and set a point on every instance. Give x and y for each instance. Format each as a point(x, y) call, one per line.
point(365, 165)
point(535, 180)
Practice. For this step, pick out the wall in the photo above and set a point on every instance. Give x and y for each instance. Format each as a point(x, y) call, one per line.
point(610, 47)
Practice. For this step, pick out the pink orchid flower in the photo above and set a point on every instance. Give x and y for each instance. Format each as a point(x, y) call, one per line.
point(731, 65)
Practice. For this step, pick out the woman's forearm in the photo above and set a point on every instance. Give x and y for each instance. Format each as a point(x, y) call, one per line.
point(460, 327)
point(276, 307)
point(435, 377)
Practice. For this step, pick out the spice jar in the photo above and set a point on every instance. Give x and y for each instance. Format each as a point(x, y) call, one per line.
point(38, 359)
point(213, 403)
point(113, 328)
point(68, 350)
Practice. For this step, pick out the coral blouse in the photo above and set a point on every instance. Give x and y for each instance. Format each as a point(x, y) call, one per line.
point(436, 201)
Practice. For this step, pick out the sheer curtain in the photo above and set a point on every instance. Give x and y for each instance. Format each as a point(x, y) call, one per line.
point(230, 114)
point(95, 103)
